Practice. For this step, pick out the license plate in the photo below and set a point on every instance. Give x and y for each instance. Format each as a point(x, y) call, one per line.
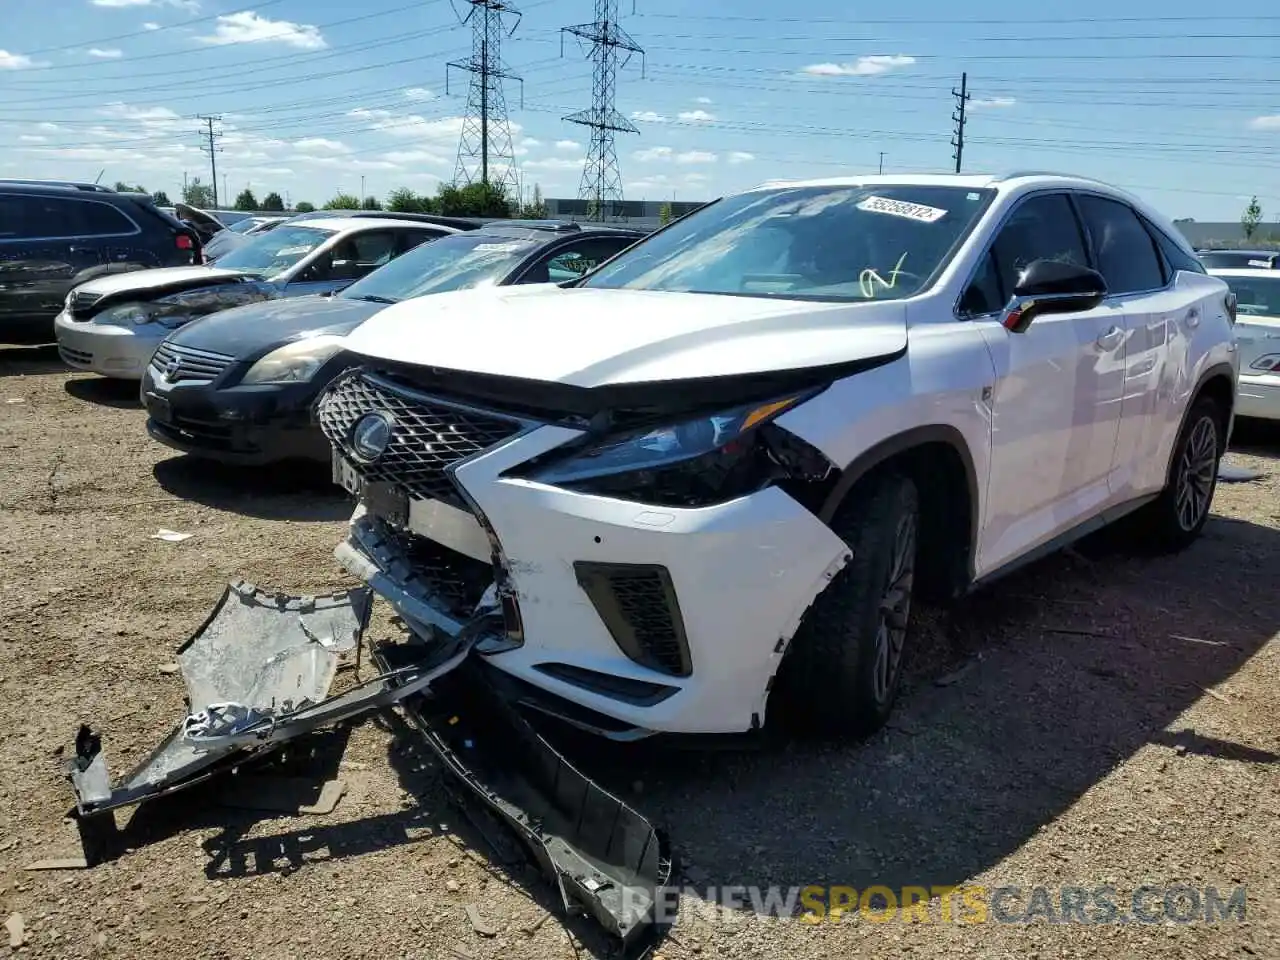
point(385, 500)
point(159, 408)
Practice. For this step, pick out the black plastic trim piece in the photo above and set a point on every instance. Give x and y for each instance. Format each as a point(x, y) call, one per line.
point(596, 580)
point(640, 693)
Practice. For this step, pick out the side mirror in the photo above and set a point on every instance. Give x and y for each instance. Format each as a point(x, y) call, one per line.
point(1052, 286)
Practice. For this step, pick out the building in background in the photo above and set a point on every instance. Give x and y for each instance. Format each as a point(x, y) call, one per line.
point(642, 213)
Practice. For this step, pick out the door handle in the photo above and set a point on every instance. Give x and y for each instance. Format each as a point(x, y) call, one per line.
point(1111, 339)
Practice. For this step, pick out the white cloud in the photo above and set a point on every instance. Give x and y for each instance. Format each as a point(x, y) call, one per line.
point(654, 154)
point(862, 67)
point(150, 118)
point(417, 157)
point(648, 116)
point(420, 94)
point(530, 142)
point(696, 156)
point(247, 27)
point(105, 53)
point(47, 126)
point(1271, 122)
point(150, 25)
point(320, 145)
point(697, 116)
point(703, 100)
point(568, 145)
point(444, 130)
point(740, 156)
point(15, 61)
point(33, 138)
point(992, 103)
point(554, 163)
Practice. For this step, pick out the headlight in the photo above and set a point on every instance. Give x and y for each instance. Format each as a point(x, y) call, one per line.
point(126, 314)
point(294, 362)
point(705, 460)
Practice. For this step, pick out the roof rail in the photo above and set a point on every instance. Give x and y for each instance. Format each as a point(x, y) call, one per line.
point(73, 184)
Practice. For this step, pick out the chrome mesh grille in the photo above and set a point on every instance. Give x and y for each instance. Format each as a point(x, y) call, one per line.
point(176, 363)
point(428, 435)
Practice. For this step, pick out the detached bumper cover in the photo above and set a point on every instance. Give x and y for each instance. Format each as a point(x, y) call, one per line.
point(112, 351)
point(257, 675)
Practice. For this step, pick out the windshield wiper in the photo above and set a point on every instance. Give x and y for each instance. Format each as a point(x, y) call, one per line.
point(374, 298)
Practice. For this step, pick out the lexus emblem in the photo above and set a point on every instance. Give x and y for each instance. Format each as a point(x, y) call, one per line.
point(171, 369)
point(371, 435)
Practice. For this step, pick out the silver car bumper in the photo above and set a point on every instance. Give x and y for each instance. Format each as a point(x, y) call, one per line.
point(108, 349)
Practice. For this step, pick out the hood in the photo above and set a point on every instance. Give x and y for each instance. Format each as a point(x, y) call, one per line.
point(196, 215)
point(584, 337)
point(157, 280)
point(244, 332)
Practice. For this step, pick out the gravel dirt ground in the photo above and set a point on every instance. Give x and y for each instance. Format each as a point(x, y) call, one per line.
point(1098, 719)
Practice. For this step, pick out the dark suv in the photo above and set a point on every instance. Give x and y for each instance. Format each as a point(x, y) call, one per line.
point(55, 235)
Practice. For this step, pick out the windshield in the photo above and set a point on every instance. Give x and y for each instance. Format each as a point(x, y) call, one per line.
point(454, 262)
point(271, 254)
point(814, 243)
point(1255, 296)
point(244, 226)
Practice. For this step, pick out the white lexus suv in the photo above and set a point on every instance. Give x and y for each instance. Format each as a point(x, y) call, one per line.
point(711, 477)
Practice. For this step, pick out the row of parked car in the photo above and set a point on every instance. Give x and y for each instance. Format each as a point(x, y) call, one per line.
point(647, 476)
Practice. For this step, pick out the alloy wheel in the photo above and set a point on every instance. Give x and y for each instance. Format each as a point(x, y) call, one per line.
point(895, 609)
point(1197, 471)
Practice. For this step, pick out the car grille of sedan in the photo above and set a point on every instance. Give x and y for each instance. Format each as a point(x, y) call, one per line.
point(82, 302)
point(174, 363)
point(427, 436)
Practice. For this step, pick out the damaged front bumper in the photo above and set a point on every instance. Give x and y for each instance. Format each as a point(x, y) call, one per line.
point(257, 675)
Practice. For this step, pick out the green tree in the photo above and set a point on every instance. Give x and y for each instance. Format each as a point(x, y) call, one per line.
point(370, 203)
point(664, 214)
point(122, 187)
point(343, 201)
point(1251, 217)
point(246, 200)
point(536, 209)
point(404, 200)
point(161, 198)
point(197, 194)
point(474, 200)
point(304, 207)
point(273, 201)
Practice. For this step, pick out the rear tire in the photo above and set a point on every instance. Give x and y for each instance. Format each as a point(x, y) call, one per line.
point(843, 669)
point(1175, 519)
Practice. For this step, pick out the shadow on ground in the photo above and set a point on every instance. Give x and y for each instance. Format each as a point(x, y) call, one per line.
point(1258, 437)
point(1019, 703)
point(302, 492)
point(106, 392)
point(16, 361)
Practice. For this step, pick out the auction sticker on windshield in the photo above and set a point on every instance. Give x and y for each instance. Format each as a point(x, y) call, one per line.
point(902, 208)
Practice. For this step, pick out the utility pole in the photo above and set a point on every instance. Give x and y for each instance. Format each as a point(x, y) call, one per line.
point(882, 161)
point(958, 116)
point(485, 152)
point(212, 149)
point(601, 179)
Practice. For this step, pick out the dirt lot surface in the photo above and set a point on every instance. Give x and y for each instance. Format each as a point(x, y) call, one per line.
point(1100, 719)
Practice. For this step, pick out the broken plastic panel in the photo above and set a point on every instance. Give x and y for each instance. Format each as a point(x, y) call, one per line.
point(258, 673)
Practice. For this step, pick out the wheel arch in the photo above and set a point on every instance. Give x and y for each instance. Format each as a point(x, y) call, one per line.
point(935, 456)
point(1218, 383)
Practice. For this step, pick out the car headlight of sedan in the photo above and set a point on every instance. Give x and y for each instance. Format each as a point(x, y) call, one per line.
point(295, 362)
point(709, 459)
point(178, 308)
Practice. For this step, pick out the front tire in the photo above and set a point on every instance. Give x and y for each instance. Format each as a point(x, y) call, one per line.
point(843, 670)
point(1175, 519)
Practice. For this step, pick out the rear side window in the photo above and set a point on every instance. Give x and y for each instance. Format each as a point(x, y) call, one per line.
point(1175, 257)
point(14, 217)
point(52, 218)
point(1127, 257)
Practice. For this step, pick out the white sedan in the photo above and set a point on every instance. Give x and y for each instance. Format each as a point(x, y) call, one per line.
point(1258, 335)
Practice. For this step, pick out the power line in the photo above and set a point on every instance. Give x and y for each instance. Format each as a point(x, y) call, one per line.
point(601, 179)
point(486, 131)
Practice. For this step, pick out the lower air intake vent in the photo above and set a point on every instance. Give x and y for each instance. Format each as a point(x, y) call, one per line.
point(637, 602)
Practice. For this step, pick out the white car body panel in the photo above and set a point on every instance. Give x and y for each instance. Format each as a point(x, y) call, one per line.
point(1071, 420)
point(1257, 336)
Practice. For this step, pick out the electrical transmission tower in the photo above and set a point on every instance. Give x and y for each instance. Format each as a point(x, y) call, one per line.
point(958, 117)
point(611, 48)
point(212, 149)
point(485, 153)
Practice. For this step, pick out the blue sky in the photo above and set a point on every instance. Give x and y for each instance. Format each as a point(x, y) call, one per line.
point(1175, 100)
